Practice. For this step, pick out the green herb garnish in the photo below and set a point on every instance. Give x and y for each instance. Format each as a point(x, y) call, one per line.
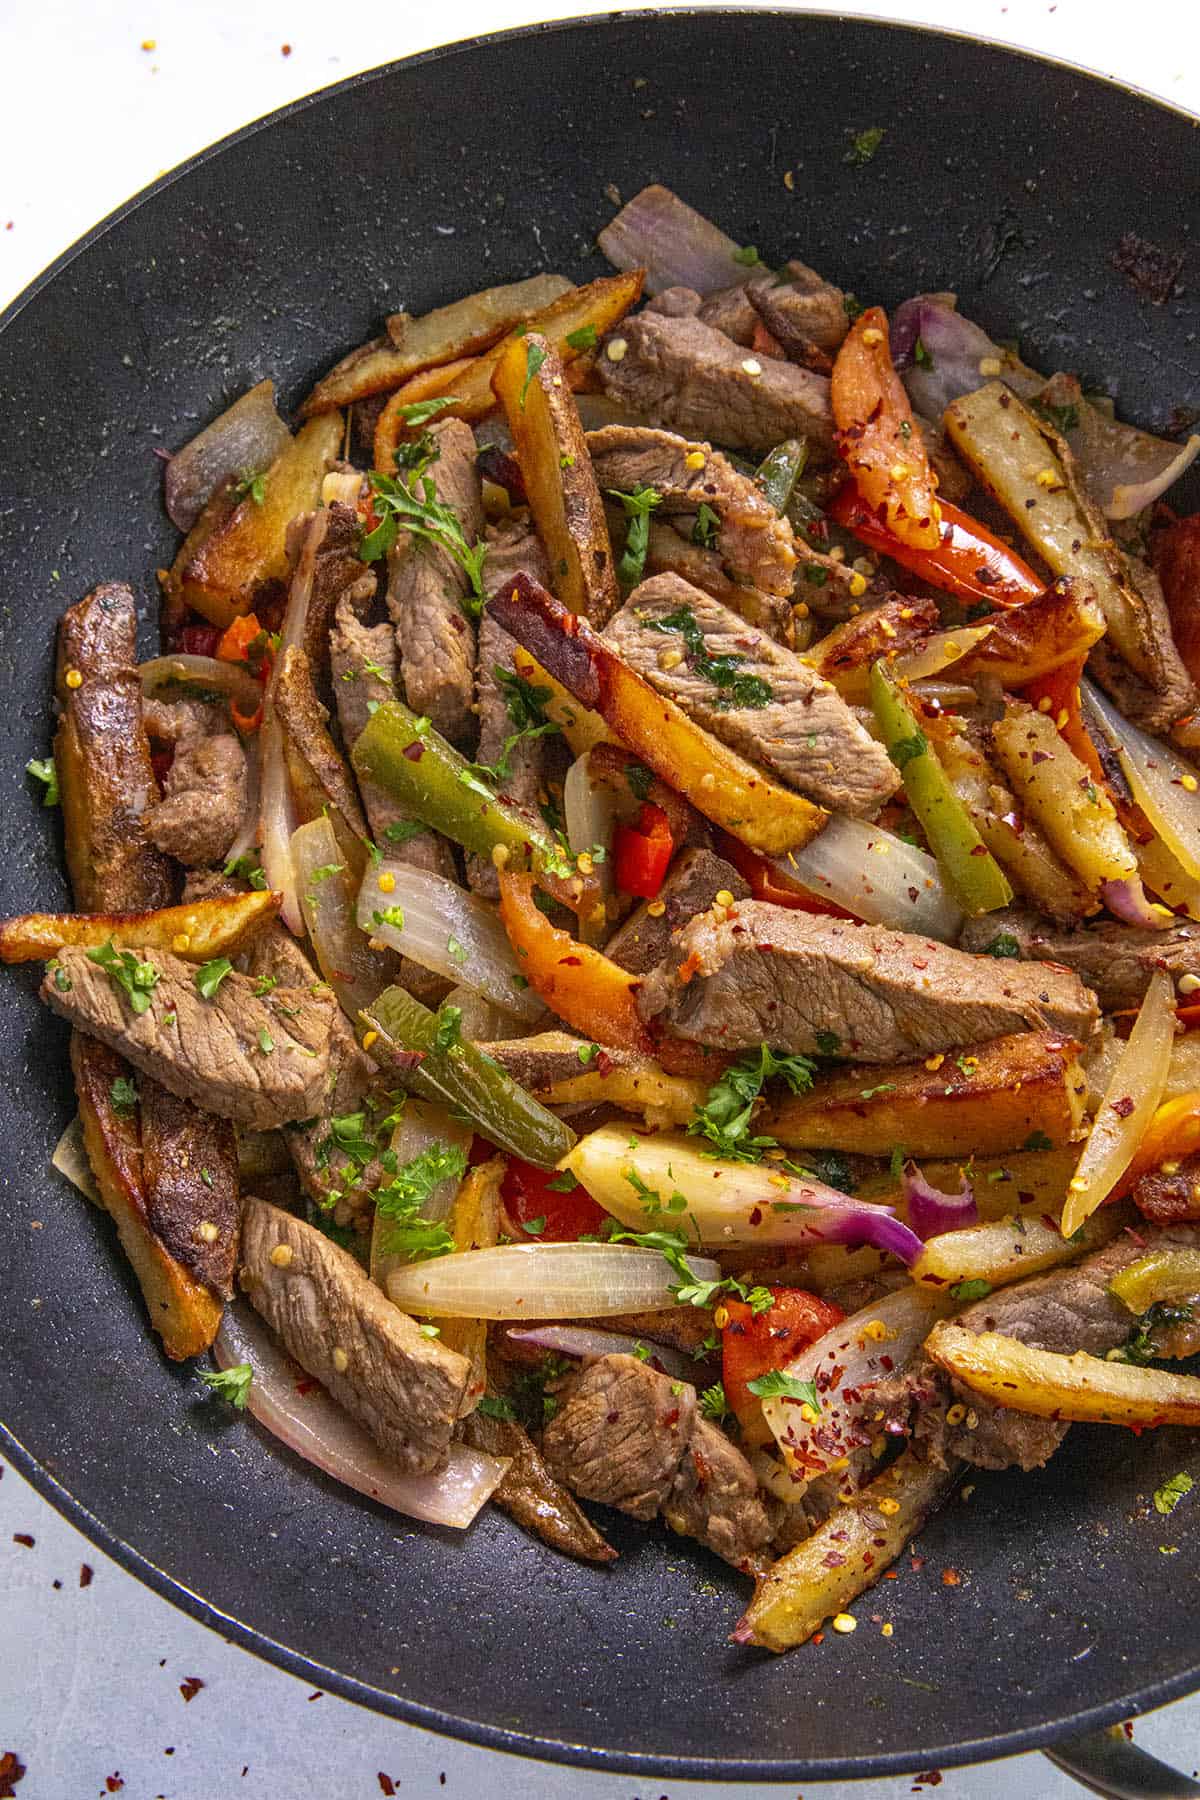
point(136, 980)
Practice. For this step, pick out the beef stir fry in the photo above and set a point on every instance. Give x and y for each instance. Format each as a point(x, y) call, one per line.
point(645, 918)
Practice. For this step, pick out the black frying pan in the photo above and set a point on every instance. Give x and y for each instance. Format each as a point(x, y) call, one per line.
point(1003, 177)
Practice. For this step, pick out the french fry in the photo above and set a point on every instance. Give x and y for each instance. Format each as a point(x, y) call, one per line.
point(1074, 813)
point(183, 1311)
point(1009, 1249)
point(582, 728)
point(992, 1099)
point(844, 1556)
point(222, 576)
point(392, 426)
point(722, 785)
point(641, 1087)
point(217, 927)
point(461, 329)
point(1048, 1385)
point(474, 1224)
point(1031, 640)
point(563, 496)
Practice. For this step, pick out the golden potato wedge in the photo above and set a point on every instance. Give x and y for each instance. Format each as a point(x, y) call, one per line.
point(989, 1099)
point(1049, 781)
point(102, 755)
point(1030, 1182)
point(563, 496)
point(474, 1224)
point(722, 785)
point(1031, 640)
point(582, 728)
point(392, 426)
point(638, 1087)
point(845, 1555)
point(597, 306)
point(198, 932)
point(1081, 1388)
point(844, 655)
point(247, 549)
point(1009, 1249)
point(461, 329)
point(182, 1310)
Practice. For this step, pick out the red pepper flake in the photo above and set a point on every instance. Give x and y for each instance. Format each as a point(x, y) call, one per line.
point(931, 1778)
point(1123, 1107)
point(305, 1386)
point(951, 1578)
point(917, 1564)
point(980, 850)
point(612, 1418)
point(1127, 1728)
point(191, 1687)
point(113, 1783)
point(386, 1784)
point(285, 49)
point(604, 1063)
point(414, 751)
point(85, 1574)
point(23, 1538)
point(317, 1694)
point(891, 1575)
point(12, 1770)
point(756, 1216)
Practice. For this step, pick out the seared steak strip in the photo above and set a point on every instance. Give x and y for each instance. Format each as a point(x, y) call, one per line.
point(530, 1494)
point(259, 1061)
point(630, 1437)
point(692, 884)
point(204, 795)
point(402, 1387)
point(1116, 961)
point(190, 1168)
point(757, 974)
point(319, 775)
point(754, 694)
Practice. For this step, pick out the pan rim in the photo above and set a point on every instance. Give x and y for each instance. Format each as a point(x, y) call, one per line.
point(561, 1750)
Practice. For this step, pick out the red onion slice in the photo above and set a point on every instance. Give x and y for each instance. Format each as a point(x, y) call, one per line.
point(583, 1340)
point(1127, 901)
point(676, 245)
point(244, 440)
point(301, 1415)
point(931, 1211)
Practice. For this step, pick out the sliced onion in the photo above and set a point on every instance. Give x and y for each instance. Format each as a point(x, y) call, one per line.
point(939, 651)
point(728, 1203)
point(1163, 875)
point(1165, 786)
point(233, 681)
point(1126, 900)
point(71, 1159)
point(300, 1413)
point(581, 1340)
point(876, 876)
point(448, 930)
point(932, 1211)
point(591, 810)
point(542, 1281)
point(247, 834)
point(954, 350)
point(326, 886)
point(247, 437)
point(844, 1365)
point(677, 246)
point(422, 1124)
point(1129, 1103)
point(482, 1022)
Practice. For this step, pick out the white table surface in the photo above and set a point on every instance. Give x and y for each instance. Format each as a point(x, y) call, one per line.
point(97, 97)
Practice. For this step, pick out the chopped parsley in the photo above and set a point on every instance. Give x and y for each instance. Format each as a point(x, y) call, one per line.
point(749, 691)
point(1003, 944)
point(1141, 1346)
point(456, 951)
point(264, 985)
point(448, 1035)
point(390, 915)
point(248, 868)
point(1037, 1140)
point(266, 1042)
point(401, 830)
point(136, 980)
point(921, 356)
point(587, 1053)
point(232, 1384)
point(906, 750)
point(638, 507)
point(210, 975)
point(324, 873)
point(123, 1095)
point(534, 1227)
point(672, 1246)
point(400, 1202)
point(713, 1404)
point(525, 704)
point(708, 524)
point(748, 257)
point(44, 769)
point(62, 980)
point(1063, 418)
point(495, 1406)
point(970, 1290)
point(563, 1183)
point(640, 780)
point(863, 146)
point(776, 1385)
point(413, 505)
point(1168, 1496)
point(583, 339)
point(828, 1043)
point(535, 356)
point(725, 1117)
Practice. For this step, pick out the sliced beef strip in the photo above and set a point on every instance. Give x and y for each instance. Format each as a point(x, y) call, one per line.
point(628, 1436)
point(103, 759)
point(544, 1059)
point(670, 551)
point(426, 590)
point(805, 733)
point(529, 1493)
point(731, 312)
point(402, 1387)
point(190, 1168)
point(692, 884)
point(211, 1052)
point(318, 771)
point(804, 313)
point(676, 303)
point(1065, 1310)
point(762, 973)
point(1116, 961)
point(1168, 1198)
point(696, 380)
point(329, 562)
point(204, 795)
point(754, 543)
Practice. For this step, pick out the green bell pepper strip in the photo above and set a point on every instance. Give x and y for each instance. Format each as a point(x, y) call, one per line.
point(972, 873)
point(437, 1063)
point(412, 762)
point(780, 470)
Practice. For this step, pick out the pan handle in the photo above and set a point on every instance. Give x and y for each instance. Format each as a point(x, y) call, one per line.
point(1107, 1763)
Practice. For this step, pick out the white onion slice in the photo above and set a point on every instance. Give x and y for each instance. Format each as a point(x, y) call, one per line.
point(676, 245)
point(446, 929)
point(876, 876)
point(247, 834)
point(582, 1340)
point(244, 440)
point(316, 1428)
point(230, 679)
point(542, 1281)
point(71, 1159)
point(277, 819)
point(939, 651)
point(1165, 786)
point(591, 809)
point(1162, 874)
point(422, 1123)
point(843, 1365)
point(482, 1021)
point(325, 886)
point(1129, 1103)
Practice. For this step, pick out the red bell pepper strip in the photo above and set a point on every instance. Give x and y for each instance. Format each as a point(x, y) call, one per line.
point(753, 1343)
point(531, 1197)
point(642, 852)
point(876, 435)
point(1172, 1134)
point(967, 560)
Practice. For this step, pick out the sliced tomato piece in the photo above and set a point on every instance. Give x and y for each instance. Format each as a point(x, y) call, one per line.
point(560, 1215)
point(754, 1343)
